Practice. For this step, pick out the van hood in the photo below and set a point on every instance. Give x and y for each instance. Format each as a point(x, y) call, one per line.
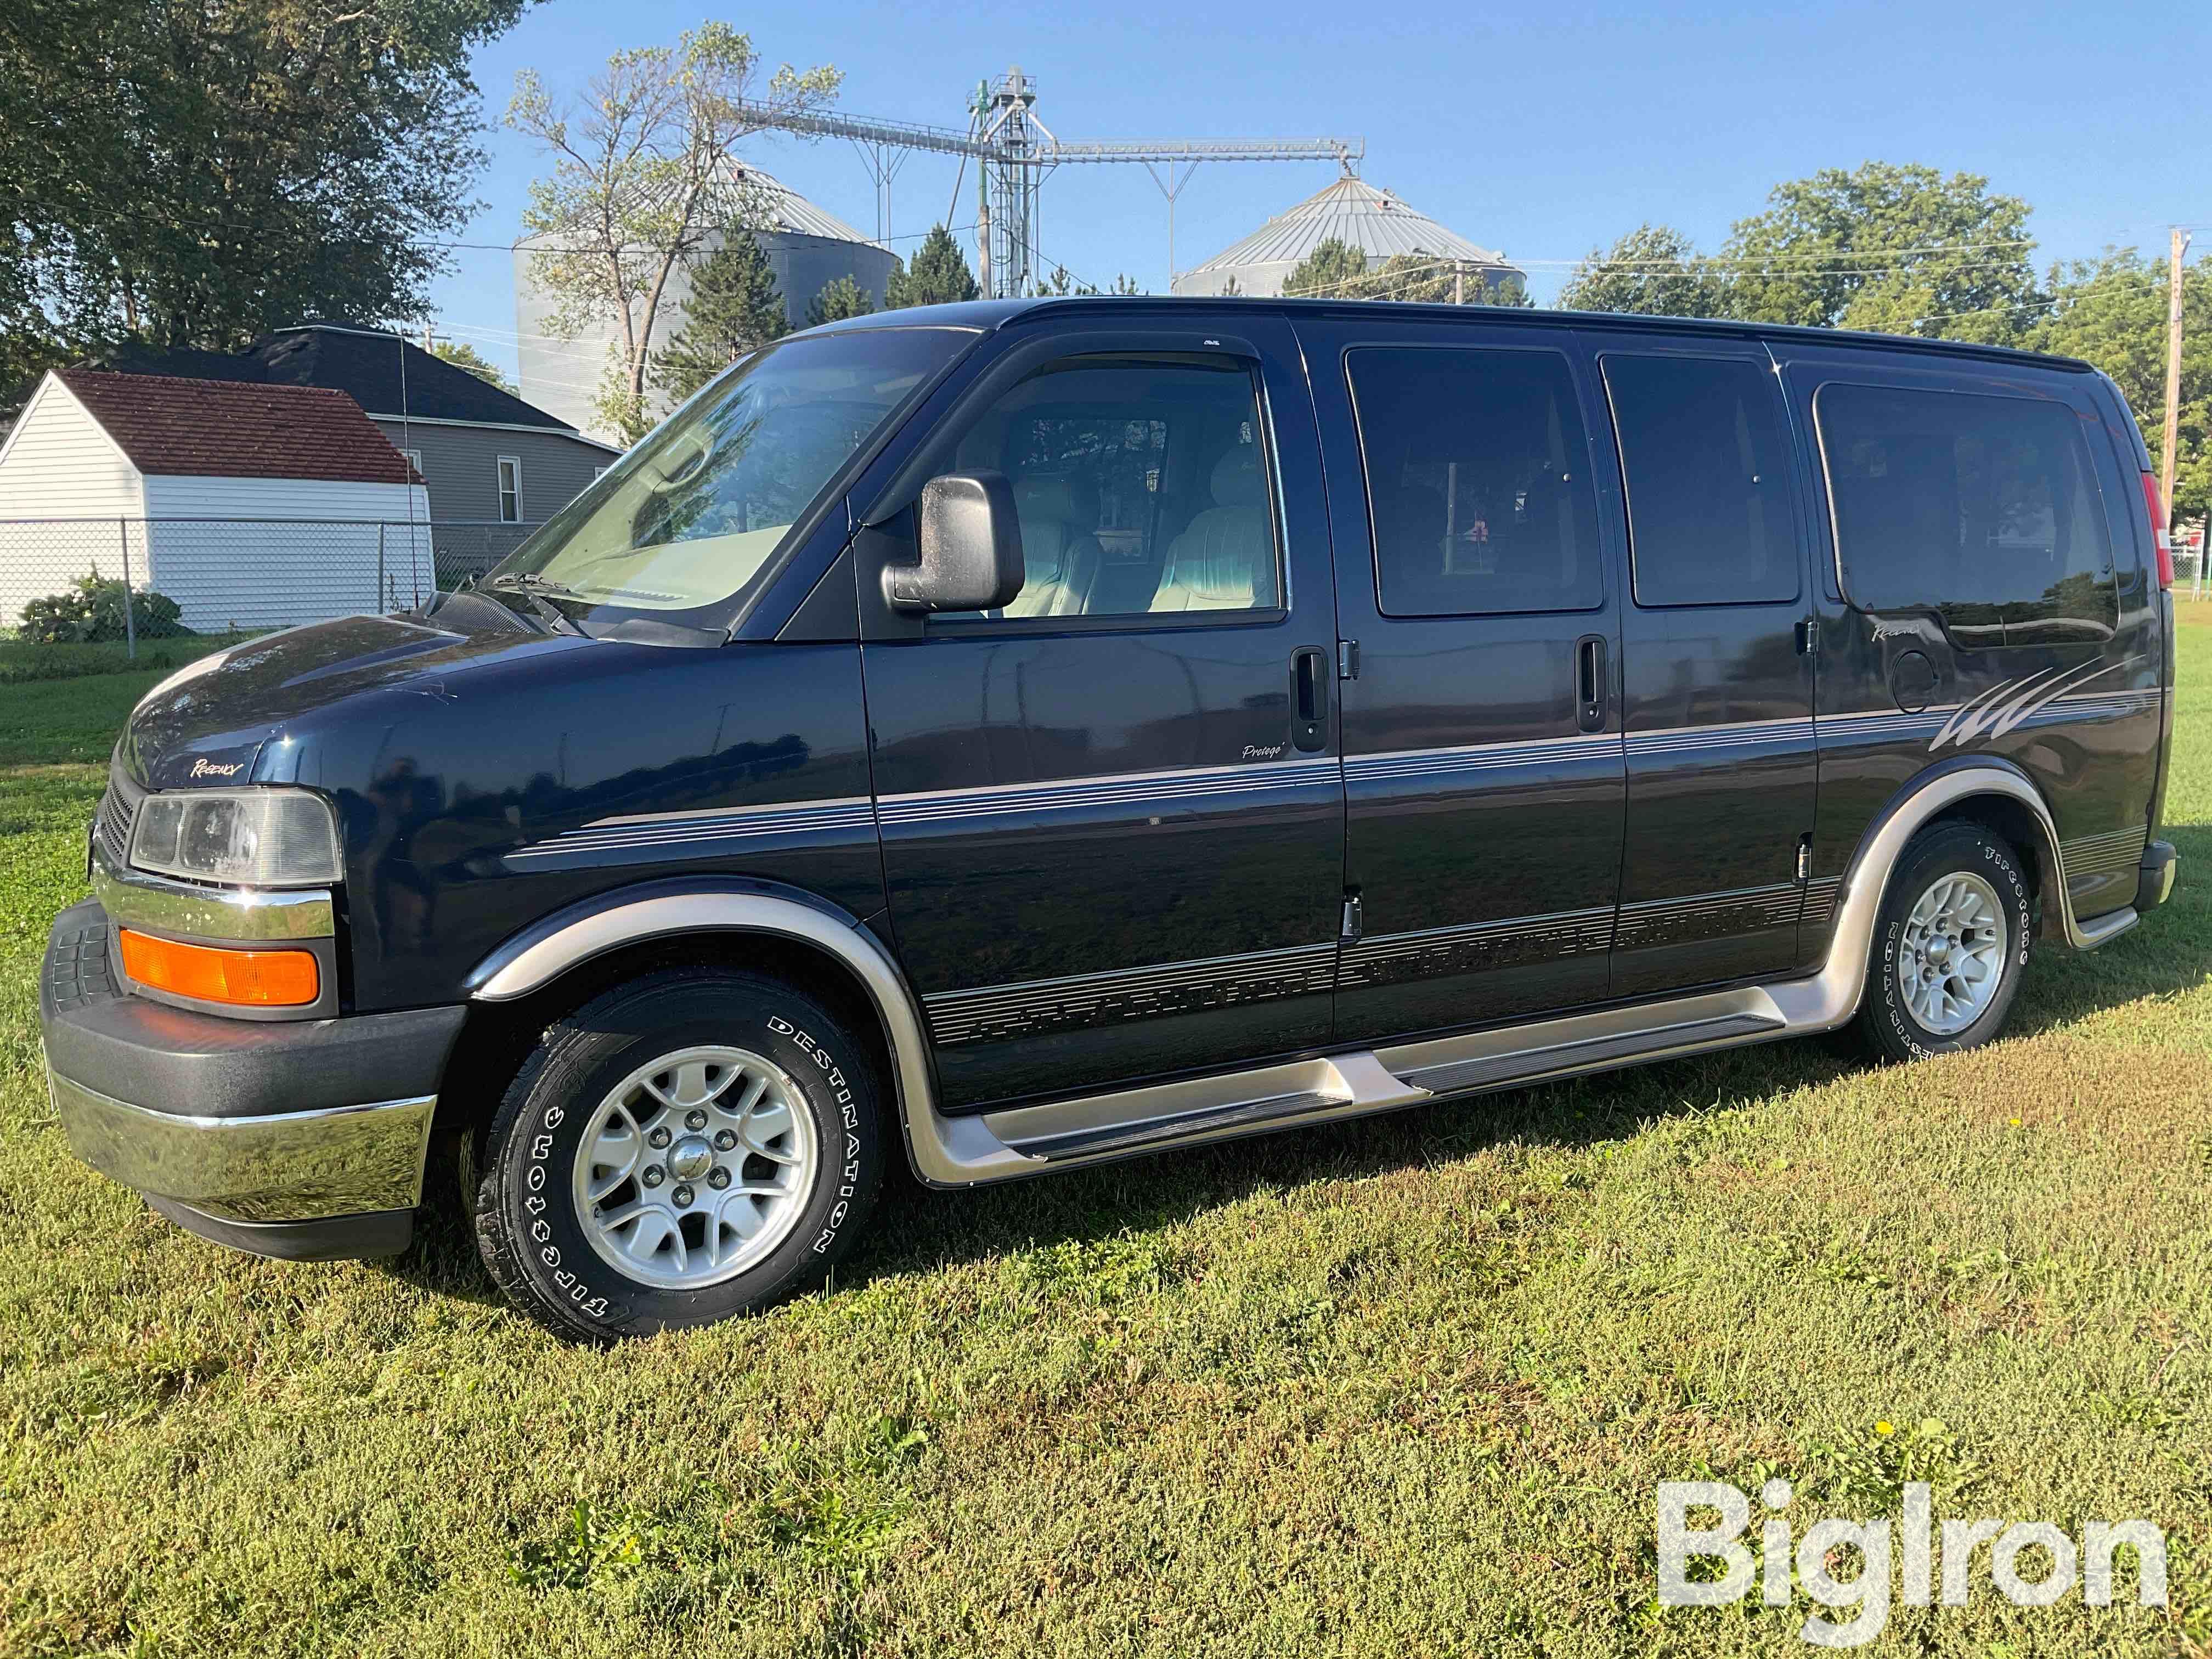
point(211, 722)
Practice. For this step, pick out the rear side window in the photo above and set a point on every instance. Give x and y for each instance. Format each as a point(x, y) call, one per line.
point(1478, 482)
point(1980, 508)
point(1705, 457)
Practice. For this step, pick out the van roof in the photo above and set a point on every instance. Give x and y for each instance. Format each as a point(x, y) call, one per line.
point(992, 314)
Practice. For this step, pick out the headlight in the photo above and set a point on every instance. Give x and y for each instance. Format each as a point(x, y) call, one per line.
point(252, 837)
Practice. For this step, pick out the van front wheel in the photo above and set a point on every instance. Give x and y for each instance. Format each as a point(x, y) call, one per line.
point(1949, 945)
point(685, 1148)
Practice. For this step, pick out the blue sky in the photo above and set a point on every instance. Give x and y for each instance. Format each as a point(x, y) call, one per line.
point(1543, 131)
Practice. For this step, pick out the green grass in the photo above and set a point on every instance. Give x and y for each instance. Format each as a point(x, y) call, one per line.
point(1400, 1386)
point(22, 661)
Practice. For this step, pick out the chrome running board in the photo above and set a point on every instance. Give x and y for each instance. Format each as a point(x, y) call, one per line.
point(1028, 1139)
point(1585, 1043)
point(1199, 1110)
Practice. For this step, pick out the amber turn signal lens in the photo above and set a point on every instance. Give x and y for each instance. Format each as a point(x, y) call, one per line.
point(251, 979)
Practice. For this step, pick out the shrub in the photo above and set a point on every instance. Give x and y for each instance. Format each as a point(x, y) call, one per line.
point(91, 608)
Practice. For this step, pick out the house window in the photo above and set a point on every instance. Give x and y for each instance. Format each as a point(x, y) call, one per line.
point(414, 459)
point(510, 490)
point(599, 472)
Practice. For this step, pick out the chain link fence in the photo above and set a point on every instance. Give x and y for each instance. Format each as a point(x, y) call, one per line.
point(63, 579)
point(2189, 579)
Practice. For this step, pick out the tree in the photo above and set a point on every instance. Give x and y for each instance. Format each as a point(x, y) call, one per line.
point(1334, 267)
point(938, 275)
point(197, 175)
point(1653, 270)
point(1899, 250)
point(841, 298)
point(1508, 290)
point(1337, 270)
point(734, 308)
point(2111, 311)
point(643, 176)
point(468, 359)
point(1419, 278)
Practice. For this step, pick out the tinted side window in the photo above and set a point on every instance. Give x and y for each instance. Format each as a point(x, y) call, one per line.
point(1705, 459)
point(1978, 507)
point(1478, 482)
point(1141, 488)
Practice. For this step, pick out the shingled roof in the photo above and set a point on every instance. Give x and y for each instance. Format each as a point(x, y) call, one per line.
point(385, 374)
point(234, 429)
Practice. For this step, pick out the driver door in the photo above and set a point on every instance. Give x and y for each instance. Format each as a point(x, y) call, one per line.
point(1112, 814)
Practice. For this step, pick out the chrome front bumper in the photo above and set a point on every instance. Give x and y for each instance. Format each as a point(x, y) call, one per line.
point(302, 1138)
point(287, 1166)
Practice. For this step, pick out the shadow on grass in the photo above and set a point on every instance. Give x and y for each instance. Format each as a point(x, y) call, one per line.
point(916, 1230)
point(2169, 952)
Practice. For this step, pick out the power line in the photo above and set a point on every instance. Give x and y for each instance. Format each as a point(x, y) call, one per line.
point(1986, 311)
point(1886, 253)
point(431, 243)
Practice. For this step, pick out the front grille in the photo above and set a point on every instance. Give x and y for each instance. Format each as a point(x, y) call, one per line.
point(118, 807)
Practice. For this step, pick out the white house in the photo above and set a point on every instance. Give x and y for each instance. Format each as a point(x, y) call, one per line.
point(203, 487)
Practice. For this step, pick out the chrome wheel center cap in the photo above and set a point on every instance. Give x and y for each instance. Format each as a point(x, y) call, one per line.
point(1953, 958)
point(691, 1158)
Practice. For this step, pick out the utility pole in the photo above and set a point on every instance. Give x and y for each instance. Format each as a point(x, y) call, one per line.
point(2171, 439)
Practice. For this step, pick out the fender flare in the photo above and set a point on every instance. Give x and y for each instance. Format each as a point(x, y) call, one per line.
point(1832, 997)
point(938, 1147)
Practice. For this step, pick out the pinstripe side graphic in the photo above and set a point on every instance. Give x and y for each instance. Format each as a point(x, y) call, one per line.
point(676, 834)
point(1187, 785)
point(1743, 734)
point(1028, 1008)
point(1707, 915)
point(2104, 855)
point(1890, 725)
point(1880, 726)
point(1475, 947)
point(1821, 895)
point(1409, 764)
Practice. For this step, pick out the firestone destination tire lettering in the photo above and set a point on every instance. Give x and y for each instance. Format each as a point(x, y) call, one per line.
point(1948, 874)
point(670, 1039)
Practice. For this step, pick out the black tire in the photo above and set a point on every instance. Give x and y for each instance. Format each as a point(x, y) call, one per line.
point(528, 1227)
point(1886, 1017)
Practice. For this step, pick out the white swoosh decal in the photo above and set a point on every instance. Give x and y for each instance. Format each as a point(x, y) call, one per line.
point(2005, 705)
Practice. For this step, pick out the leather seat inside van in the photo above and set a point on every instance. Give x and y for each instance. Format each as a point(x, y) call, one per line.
point(1217, 562)
point(1057, 546)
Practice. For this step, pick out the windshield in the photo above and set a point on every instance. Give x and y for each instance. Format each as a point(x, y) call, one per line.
point(694, 511)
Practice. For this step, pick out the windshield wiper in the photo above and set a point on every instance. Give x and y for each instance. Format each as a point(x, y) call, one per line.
point(534, 590)
point(529, 581)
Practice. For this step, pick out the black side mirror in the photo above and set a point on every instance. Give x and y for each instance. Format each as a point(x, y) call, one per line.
point(971, 547)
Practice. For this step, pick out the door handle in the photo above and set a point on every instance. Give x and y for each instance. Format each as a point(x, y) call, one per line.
point(1310, 678)
point(1592, 689)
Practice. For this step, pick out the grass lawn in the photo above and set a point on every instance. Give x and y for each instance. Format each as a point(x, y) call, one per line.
point(1402, 1387)
point(22, 661)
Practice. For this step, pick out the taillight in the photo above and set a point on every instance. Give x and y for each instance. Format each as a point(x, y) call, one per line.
point(2158, 531)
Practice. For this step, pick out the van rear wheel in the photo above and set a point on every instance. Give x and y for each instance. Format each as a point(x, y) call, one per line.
point(685, 1148)
point(1950, 942)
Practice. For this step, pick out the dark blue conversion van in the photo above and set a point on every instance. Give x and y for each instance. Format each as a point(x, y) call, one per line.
point(1017, 735)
